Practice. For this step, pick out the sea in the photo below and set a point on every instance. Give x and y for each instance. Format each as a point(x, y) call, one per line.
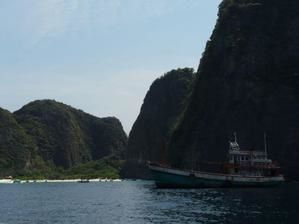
point(141, 202)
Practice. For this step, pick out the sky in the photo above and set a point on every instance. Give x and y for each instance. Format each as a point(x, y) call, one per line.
point(100, 56)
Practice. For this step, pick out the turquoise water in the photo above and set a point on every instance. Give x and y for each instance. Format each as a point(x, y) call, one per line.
point(140, 202)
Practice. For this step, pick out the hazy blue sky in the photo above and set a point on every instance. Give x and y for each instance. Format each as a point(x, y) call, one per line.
point(97, 55)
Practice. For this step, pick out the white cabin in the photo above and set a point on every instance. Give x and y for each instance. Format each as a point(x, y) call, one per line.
point(247, 161)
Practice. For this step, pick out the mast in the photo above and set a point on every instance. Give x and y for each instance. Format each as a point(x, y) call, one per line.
point(265, 145)
point(235, 134)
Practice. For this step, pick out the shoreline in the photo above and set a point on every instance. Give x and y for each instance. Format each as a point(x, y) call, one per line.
point(18, 181)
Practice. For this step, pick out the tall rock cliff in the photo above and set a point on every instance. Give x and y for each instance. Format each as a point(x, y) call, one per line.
point(163, 104)
point(65, 136)
point(248, 82)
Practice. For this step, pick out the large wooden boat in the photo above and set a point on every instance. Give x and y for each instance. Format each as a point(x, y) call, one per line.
point(243, 169)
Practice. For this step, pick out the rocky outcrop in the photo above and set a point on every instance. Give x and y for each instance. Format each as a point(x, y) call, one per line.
point(249, 83)
point(163, 105)
point(66, 136)
point(45, 136)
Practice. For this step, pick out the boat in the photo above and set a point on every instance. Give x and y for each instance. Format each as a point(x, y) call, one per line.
point(7, 180)
point(83, 181)
point(243, 168)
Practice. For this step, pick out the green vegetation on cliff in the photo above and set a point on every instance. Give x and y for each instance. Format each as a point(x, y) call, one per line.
point(15, 146)
point(107, 167)
point(46, 138)
point(66, 136)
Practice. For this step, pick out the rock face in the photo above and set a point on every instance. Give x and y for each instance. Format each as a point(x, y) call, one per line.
point(163, 104)
point(66, 136)
point(45, 134)
point(15, 146)
point(249, 83)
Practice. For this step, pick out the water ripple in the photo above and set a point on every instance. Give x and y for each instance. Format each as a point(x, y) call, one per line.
point(139, 202)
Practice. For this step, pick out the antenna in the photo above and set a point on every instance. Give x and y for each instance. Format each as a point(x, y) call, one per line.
point(235, 134)
point(265, 142)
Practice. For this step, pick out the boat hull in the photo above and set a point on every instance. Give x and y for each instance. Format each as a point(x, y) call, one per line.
point(173, 178)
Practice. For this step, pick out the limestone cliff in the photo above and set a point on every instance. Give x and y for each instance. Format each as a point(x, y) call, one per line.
point(48, 139)
point(66, 136)
point(248, 82)
point(163, 104)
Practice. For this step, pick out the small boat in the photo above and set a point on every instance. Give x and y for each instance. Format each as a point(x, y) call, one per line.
point(83, 181)
point(243, 169)
point(7, 180)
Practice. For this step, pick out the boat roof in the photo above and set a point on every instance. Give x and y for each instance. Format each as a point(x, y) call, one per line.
point(246, 152)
